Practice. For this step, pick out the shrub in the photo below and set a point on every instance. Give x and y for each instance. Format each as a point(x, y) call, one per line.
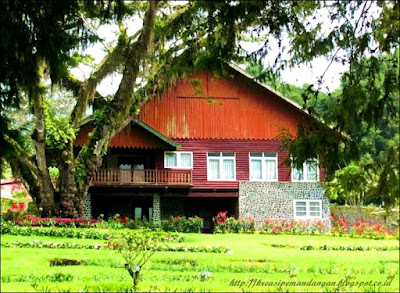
point(293, 226)
point(31, 221)
point(339, 225)
point(223, 224)
point(182, 224)
point(136, 251)
point(369, 229)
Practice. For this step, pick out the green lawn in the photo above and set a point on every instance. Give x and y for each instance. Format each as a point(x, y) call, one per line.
point(254, 257)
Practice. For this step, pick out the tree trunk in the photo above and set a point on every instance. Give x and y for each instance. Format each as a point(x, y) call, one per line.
point(46, 190)
point(90, 157)
point(66, 183)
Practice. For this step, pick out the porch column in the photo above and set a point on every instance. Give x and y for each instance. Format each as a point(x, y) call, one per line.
point(88, 207)
point(156, 207)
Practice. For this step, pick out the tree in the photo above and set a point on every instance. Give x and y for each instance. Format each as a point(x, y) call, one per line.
point(174, 40)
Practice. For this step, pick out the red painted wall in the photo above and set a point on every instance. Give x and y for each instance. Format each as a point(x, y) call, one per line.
point(239, 147)
point(200, 148)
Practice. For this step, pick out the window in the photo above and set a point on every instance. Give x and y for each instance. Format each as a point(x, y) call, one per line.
point(307, 209)
point(309, 172)
point(263, 167)
point(138, 213)
point(221, 166)
point(182, 160)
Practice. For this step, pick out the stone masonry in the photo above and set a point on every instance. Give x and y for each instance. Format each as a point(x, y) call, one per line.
point(274, 200)
point(156, 207)
point(88, 207)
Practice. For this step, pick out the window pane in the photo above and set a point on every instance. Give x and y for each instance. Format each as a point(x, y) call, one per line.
point(300, 203)
point(297, 174)
point(186, 160)
point(138, 213)
point(213, 173)
point(270, 155)
point(255, 170)
point(314, 204)
point(214, 154)
point(312, 171)
point(170, 160)
point(256, 155)
point(229, 169)
point(228, 154)
point(270, 169)
point(315, 214)
point(300, 214)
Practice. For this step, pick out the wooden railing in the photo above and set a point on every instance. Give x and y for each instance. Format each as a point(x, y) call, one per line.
point(146, 176)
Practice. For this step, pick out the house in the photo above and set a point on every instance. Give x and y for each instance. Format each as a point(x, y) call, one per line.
point(11, 185)
point(208, 144)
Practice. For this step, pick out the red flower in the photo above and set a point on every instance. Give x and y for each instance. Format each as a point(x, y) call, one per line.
point(115, 244)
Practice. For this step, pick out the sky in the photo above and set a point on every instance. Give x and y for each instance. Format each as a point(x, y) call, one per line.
point(299, 75)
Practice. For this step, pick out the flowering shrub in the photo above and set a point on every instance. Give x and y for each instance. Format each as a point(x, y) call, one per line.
point(223, 224)
point(183, 224)
point(369, 229)
point(361, 228)
point(220, 222)
point(293, 226)
point(339, 225)
point(136, 250)
point(16, 211)
point(32, 221)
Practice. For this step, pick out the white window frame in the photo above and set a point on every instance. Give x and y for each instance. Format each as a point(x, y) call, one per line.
point(305, 172)
point(178, 160)
point(221, 169)
point(263, 159)
point(307, 201)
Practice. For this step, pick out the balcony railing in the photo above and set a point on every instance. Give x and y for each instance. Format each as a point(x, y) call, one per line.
point(142, 177)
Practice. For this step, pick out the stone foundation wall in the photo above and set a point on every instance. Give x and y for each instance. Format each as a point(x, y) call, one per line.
point(171, 206)
point(275, 199)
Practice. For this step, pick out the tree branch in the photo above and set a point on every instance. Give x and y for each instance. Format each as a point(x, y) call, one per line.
point(88, 90)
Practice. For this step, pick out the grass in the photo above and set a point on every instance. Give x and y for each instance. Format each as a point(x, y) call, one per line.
point(253, 258)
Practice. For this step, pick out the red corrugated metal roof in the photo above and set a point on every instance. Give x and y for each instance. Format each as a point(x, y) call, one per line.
point(220, 108)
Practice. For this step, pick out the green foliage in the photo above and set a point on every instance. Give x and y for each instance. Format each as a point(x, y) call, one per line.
point(136, 251)
point(59, 132)
point(5, 204)
point(6, 171)
point(350, 184)
point(182, 224)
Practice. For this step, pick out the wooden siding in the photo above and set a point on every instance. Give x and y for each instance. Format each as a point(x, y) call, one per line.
point(220, 108)
point(132, 136)
point(241, 148)
point(200, 148)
